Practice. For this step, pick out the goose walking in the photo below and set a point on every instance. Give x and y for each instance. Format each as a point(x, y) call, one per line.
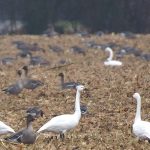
point(109, 61)
point(67, 85)
point(140, 128)
point(63, 123)
point(4, 129)
point(25, 136)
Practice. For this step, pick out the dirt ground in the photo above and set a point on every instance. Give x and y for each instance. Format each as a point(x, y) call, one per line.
point(111, 107)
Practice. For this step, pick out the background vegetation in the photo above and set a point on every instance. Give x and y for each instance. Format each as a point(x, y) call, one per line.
point(94, 15)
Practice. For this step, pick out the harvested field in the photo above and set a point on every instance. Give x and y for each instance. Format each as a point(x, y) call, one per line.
point(111, 107)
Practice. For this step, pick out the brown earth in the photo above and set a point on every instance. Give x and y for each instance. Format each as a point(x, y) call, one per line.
point(111, 107)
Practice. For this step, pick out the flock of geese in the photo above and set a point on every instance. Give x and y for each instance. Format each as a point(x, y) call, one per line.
point(63, 123)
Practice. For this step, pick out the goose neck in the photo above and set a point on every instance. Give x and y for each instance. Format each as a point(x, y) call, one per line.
point(77, 104)
point(138, 109)
point(20, 83)
point(62, 80)
point(29, 125)
point(110, 55)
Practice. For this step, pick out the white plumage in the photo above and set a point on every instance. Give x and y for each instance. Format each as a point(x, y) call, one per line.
point(4, 129)
point(109, 61)
point(140, 128)
point(61, 124)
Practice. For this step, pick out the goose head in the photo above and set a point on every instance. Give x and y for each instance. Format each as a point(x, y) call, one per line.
point(61, 74)
point(30, 118)
point(136, 95)
point(19, 72)
point(80, 87)
point(108, 49)
point(25, 69)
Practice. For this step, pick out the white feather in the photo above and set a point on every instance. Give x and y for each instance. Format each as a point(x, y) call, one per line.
point(140, 128)
point(109, 61)
point(63, 123)
point(5, 128)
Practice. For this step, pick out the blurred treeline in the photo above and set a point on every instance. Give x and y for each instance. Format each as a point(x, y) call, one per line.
point(90, 15)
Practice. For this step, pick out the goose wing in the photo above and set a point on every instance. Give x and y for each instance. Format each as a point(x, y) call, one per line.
point(58, 124)
point(142, 129)
point(5, 128)
point(13, 89)
point(32, 84)
point(16, 137)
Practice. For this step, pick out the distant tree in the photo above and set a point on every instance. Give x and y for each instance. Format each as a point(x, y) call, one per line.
point(36, 15)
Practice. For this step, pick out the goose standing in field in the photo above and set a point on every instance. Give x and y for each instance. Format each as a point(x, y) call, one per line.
point(25, 136)
point(67, 85)
point(140, 128)
point(16, 88)
point(109, 61)
point(63, 123)
point(4, 129)
point(29, 83)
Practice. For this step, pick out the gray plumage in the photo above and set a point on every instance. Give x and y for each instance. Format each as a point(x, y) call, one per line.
point(16, 88)
point(67, 85)
point(35, 112)
point(37, 60)
point(7, 60)
point(25, 136)
point(29, 83)
point(83, 109)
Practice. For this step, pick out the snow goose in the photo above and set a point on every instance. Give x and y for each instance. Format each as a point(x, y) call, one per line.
point(61, 124)
point(4, 129)
point(16, 88)
point(140, 128)
point(25, 136)
point(67, 85)
point(109, 61)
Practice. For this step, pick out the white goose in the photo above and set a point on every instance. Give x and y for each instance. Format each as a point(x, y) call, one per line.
point(61, 124)
point(109, 61)
point(4, 129)
point(140, 128)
